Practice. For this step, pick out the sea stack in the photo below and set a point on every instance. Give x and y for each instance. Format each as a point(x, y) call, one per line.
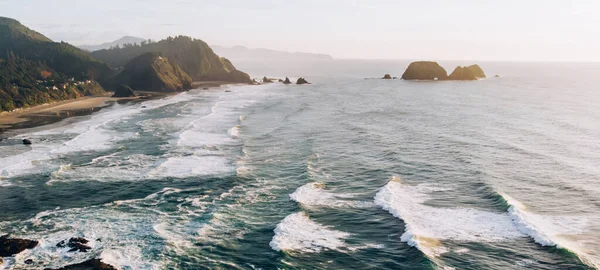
point(302, 81)
point(462, 74)
point(424, 70)
point(266, 80)
point(477, 71)
point(387, 77)
point(287, 81)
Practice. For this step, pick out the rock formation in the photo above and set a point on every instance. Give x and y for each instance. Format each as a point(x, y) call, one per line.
point(287, 81)
point(94, 264)
point(477, 71)
point(302, 81)
point(152, 72)
point(266, 80)
point(9, 247)
point(387, 77)
point(462, 74)
point(26, 142)
point(424, 70)
point(123, 91)
point(75, 244)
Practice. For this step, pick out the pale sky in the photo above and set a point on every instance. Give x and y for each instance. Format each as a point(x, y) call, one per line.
point(507, 30)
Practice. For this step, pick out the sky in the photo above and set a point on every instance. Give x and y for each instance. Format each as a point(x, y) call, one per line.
point(508, 30)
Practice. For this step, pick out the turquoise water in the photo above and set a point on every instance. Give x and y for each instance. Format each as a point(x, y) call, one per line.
point(500, 173)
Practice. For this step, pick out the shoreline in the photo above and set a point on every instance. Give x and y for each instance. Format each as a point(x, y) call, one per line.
point(52, 113)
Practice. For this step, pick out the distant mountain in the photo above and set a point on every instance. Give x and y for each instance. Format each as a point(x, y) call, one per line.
point(35, 70)
point(243, 53)
point(151, 72)
point(193, 56)
point(119, 42)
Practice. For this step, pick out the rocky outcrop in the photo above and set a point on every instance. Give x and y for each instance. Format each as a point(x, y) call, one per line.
point(26, 141)
point(152, 72)
point(94, 264)
point(462, 74)
point(387, 77)
point(477, 71)
point(266, 80)
point(424, 70)
point(287, 81)
point(302, 81)
point(75, 244)
point(123, 91)
point(193, 56)
point(9, 247)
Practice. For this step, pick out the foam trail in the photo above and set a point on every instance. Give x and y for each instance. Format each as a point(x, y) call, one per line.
point(313, 194)
point(427, 226)
point(298, 233)
point(546, 230)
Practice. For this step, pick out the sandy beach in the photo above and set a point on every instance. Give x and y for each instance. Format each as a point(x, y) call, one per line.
point(53, 112)
point(7, 119)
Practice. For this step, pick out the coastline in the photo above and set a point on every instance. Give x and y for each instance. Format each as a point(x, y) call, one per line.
point(51, 113)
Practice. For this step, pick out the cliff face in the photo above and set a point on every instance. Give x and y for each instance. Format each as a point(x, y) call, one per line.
point(152, 72)
point(424, 70)
point(193, 56)
point(477, 71)
point(462, 74)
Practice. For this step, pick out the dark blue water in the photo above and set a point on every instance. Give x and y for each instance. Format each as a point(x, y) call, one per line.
point(500, 173)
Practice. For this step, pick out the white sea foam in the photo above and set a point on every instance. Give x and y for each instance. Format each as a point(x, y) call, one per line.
point(190, 166)
point(298, 233)
point(235, 131)
point(313, 194)
point(550, 230)
point(426, 226)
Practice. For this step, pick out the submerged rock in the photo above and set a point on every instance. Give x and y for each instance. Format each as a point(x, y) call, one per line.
point(496, 76)
point(387, 77)
point(266, 80)
point(287, 81)
point(94, 264)
point(26, 141)
point(28, 261)
point(302, 81)
point(462, 74)
point(76, 244)
point(280, 80)
point(424, 70)
point(9, 247)
point(477, 71)
point(124, 91)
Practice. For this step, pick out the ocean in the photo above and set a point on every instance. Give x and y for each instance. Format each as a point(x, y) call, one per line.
point(350, 172)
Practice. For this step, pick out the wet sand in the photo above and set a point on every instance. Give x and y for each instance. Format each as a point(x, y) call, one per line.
point(55, 112)
point(51, 113)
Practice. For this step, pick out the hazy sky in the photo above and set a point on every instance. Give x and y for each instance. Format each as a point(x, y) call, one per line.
point(544, 30)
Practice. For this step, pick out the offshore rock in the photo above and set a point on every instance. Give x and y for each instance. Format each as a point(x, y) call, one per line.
point(424, 70)
point(9, 247)
point(302, 81)
point(76, 244)
point(94, 264)
point(462, 74)
point(287, 81)
point(477, 71)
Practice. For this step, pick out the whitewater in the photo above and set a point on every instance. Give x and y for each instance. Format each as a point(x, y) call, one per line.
point(344, 173)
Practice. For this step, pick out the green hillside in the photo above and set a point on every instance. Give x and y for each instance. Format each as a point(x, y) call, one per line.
point(35, 70)
point(193, 56)
point(151, 72)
